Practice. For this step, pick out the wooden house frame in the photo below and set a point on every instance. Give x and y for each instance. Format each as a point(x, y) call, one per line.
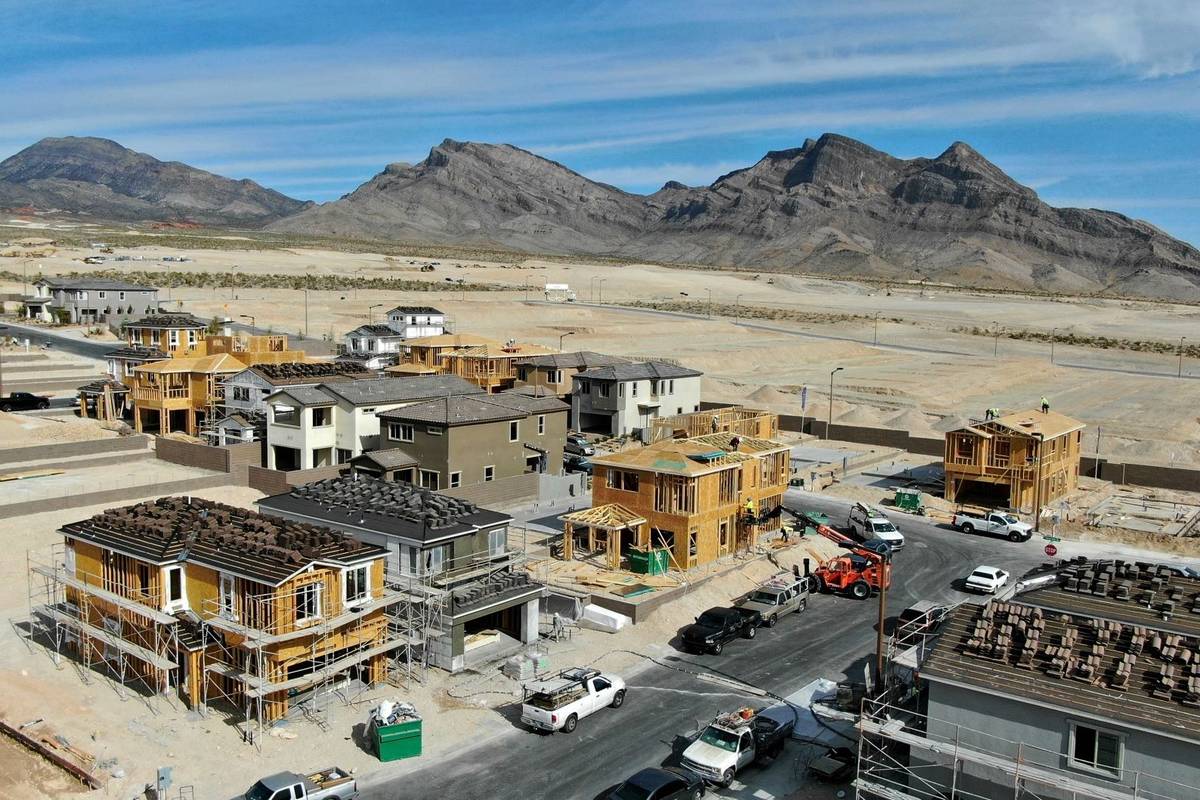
point(752, 422)
point(220, 603)
point(1020, 461)
point(491, 367)
point(701, 499)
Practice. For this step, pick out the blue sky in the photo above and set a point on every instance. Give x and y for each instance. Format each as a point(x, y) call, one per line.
point(1091, 103)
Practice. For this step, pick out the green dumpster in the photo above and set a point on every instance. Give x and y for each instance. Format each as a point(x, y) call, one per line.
point(402, 740)
point(648, 562)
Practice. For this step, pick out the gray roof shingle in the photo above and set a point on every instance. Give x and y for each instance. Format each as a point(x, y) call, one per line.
point(398, 390)
point(581, 359)
point(97, 284)
point(456, 410)
point(642, 370)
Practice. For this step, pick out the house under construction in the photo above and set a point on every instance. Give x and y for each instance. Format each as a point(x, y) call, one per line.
point(1085, 684)
point(220, 604)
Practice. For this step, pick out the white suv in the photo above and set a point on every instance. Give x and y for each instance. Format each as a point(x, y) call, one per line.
point(869, 523)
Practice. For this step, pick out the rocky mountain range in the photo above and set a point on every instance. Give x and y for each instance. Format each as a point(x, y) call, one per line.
point(832, 206)
point(100, 179)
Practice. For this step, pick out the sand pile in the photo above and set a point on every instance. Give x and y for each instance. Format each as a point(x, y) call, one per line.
point(771, 397)
point(19, 430)
point(912, 421)
point(951, 422)
point(860, 415)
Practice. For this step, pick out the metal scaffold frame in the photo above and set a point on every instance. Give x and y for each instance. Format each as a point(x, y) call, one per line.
point(131, 630)
point(245, 665)
point(950, 758)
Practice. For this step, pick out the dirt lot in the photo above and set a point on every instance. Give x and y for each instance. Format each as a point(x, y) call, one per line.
point(923, 372)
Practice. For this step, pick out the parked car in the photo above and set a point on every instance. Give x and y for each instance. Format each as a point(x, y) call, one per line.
point(718, 626)
point(23, 401)
point(920, 619)
point(778, 597)
point(869, 524)
point(997, 522)
point(559, 704)
point(328, 784)
point(573, 462)
point(735, 740)
point(660, 784)
point(988, 580)
point(578, 444)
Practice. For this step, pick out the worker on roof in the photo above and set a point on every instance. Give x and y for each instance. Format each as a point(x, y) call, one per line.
point(1045, 405)
point(749, 506)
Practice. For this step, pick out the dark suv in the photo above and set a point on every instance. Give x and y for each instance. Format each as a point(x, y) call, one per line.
point(23, 401)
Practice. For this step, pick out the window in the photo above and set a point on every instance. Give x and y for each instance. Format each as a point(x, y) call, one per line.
point(432, 431)
point(191, 338)
point(322, 417)
point(308, 602)
point(173, 339)
point(129, 369)
point(554, 376)
point(121, 296)
point(671, 386)
point(1096, 749)
point(497, 541)
point(489, 473)
point(623, 480)
point(176, 600)
point(241, 393)
point(604, 389)
point(228, 598)
point(430, 479)
point(285, 415)
point(370, 410)
point(400, 431)
point(541, 424)
point(356, 584)
point(633, 389)
point(455, 480)
point(514, 430)
point(102, 295)
point(522, 374)
point(344, 455)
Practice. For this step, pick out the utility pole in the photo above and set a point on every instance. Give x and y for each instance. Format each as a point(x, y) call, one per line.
point(601, 284)
point(306, 313)
point(885, 575)
point(709, 303)
point(737, 309)
point(1180, 374)
point(996, 341)
point(1096, 460)
point(876, 340)
point(562, 336)
point(829, 422)
point(1037, 487)
point(1053, 337)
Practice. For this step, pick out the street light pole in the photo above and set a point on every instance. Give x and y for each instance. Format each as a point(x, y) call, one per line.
point(249, 317)
point(996, 341)
point(885, 574)
point(1053, 337)
point(562, 336)
point(1180, 374)
point(709, 310)
point(371, 312)
point(737, 308)
point(601, 284)
point(876, 341)
point(829, 421)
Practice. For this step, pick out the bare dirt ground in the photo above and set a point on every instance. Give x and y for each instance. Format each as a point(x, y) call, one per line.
point(923, 373)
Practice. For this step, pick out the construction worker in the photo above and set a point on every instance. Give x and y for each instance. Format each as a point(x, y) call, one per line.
point(1045, 405)
point(750, 507)
point(989, 414)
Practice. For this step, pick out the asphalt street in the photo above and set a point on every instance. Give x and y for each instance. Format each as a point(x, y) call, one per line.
point(39, 336)
point(667, 700)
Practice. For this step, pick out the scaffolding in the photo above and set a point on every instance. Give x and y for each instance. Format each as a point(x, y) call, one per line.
point(904, 755)
point(264, 664)
point(111, 627)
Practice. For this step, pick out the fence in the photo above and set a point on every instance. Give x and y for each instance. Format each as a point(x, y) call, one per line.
point(274, 481)
point(499, 493)
point(230, 458)
point(41, 452)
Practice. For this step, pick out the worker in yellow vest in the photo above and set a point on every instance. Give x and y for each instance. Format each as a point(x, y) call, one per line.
point(750, 507)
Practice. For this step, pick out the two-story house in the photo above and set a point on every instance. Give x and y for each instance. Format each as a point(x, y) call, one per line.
point(220, 603)
point(624, 399)
point(477, 603)
point(429, 352)
point(1083, 684)
point(476, 438)
point(91, 300)
point(379, 346)
point(555, 372)
point(1023, 461)
point(416, 322)
point(246, 392)
point(491, 367)
point(173, 334)
point(331, 423)
point(701, 499)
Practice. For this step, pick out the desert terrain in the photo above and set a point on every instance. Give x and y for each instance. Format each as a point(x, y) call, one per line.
point(915, 357)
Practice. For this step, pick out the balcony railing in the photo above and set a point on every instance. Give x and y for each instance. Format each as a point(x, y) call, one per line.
point(157, 393)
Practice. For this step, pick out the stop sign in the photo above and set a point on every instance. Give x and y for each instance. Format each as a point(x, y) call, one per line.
point(1051, 550)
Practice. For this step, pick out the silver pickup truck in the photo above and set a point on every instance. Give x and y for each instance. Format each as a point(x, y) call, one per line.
point(779, 596)
point(328, 784)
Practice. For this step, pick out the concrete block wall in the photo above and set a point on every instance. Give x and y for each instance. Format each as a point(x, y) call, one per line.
point(120, 444)
point(500, 493)
point(273, 481)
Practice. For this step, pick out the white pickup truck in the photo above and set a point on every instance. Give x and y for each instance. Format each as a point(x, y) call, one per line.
point(999, 523)
point(867, 523)
point(328, 784)
point(559, 704)
point(736, 740)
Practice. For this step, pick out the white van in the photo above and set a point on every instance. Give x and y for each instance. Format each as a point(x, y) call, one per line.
point(866, 523)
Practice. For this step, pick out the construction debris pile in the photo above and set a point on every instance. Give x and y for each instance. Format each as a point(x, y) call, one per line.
point(302, 370)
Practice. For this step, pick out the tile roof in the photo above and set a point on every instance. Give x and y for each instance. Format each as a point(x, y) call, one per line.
point(386, 507)
point(638, 371)
point(529, 403)
point(241, 420)
point(168, 321)
point(414, 310)
point(137, 352)
point(305, 395)
point(376, 330)
point(1017, 649)
point(457, 410)
point(260, 547)
point(97, 387)
point(391, 458)
point(396, 390)
point(287, 372)
point(97, 284)
point(581, 359)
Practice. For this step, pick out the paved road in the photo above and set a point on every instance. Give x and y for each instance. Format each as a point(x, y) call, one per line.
point(67, 344)
point(834, 636)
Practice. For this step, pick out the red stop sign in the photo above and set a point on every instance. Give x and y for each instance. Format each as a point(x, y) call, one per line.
point(1051, 550)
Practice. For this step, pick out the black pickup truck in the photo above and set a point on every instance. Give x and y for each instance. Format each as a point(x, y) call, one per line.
point(23, 401)
point(718, 626)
